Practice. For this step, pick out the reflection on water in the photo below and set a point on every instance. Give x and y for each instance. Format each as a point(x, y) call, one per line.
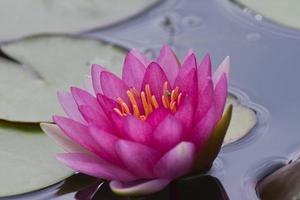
point(82, 187)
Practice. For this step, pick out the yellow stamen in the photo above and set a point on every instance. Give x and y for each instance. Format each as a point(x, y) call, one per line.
point(145, 104)
point(165, 101)
point(126, 109)
point(135, 107)
point(118, 111)
point(179, 98)
point(173, 106)
point(143, 117)
point(154, 102)
point(148, 92)
point(135, 92)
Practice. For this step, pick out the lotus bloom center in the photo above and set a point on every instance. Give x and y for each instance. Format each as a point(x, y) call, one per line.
point(169, 100)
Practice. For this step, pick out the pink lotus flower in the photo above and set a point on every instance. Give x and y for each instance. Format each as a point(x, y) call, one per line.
point(161, 121)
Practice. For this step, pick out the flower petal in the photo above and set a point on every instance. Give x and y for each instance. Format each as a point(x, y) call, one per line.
point(138, 158)
point(96, 72)
point(167, 134)
point(106, 141)
point(133, 71)
point(138, 188)
point(113, 87)
point(70, 107)
point(137, 130)
point(203, 128)
point(140, 56)
point(61, 139)
point(157, 116)
point(155, 77)
point(185, 112)
point(82, 97)
point(169, 63)
point(221, 95)
point(187, 56)
point(107, 104)
point(204, 72)
point(224, 67)
point(78, 133)
point(95, 117)
point(95, 166)
point(177, 162)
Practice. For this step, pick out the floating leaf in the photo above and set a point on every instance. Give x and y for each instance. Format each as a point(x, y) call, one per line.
point(52, 63)
point(283, 12)
point(27, 17)
point(27, 158)
point(242, 121)
point(282, 184)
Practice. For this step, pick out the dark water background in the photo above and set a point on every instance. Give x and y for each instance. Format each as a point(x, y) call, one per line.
point(265, 65)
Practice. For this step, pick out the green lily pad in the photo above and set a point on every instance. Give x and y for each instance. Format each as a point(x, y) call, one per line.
point(27, 17)
point(283, 12)
point(27, 158)
point(242, 121)
point(50, 63)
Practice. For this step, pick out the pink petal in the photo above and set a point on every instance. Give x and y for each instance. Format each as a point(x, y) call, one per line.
point(82, 97)
point(155, 77)
point(139, 188)
point(133, 71)
point(187, 56)
point(157, 116)
point(224, 67)
point(205, 100)
point(106, 141)
point(94, 166)
point(221, 95)
point(137, 130)
point(95, 117)
point(203, 128)
point(78, 133)
point(140, 56)
point(70, 107)
point(113, 87)
point(138, 158)
point(167, 134)
point(107, 104)
point(204, 72)
point(169, 62)
point(96, 72)
point(177, 162)
point(61, 139)
point(185, 113)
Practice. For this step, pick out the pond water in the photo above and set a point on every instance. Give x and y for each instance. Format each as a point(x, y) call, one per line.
point(265, 66)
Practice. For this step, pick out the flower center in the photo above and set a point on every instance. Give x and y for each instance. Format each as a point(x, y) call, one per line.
point(170, 100)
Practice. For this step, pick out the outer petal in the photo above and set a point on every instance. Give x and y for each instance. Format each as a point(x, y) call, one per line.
point(177, 162)
point(169, 62)
point(205, 88)
point(190, 62)
point(187, 56)
point(138, 189)
point(95, 117)
point(133, 71)
point(82, 97)
point(155, 77)
point(138, 158)
point(70, 107)
point(61, 139)
point(113, 87)
point(221, 95)
point(94, 166)
point(106, 141)
point(167, 134)
point(203, 128)
point(224, 67)
point(107, 104)
point(140, 56)
point(79, 134)
point(96, 71)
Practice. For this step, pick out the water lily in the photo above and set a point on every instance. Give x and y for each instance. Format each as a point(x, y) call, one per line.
point(162, 120)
